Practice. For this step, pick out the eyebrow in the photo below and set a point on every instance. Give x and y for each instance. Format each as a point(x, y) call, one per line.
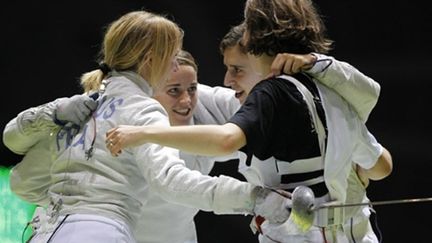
point(170, 85)
point(235, 65)
point(177, 84)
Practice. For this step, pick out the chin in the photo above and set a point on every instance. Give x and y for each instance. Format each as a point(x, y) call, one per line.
point(182, 122)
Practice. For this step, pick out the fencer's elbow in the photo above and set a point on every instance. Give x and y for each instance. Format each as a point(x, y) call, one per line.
point(13, 142)
point(232, 139)
point(387, 163)
point(383, 167)
point(228, 145)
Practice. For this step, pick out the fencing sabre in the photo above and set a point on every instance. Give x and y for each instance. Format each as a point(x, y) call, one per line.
point(304, 209)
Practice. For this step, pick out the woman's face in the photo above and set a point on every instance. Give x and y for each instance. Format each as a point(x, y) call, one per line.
point(179, 95)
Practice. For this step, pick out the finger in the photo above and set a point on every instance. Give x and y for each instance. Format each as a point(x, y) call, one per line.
point(270, 75)
point(81, 116)
point(308, 62)
point(91, 104)
point(113, 154)
point(109, 145)
point(116, 147)
point(297, 66)
point(82, 111)
point(110, 132)
point(288, 67)
point(115, 151)
point(277, 65)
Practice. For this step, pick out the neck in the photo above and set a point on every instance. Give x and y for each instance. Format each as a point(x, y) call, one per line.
point(265, 63)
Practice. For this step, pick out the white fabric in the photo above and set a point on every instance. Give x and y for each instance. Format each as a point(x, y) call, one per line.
point(357, 218)
point(110, 186)
point(31, 177)
point(348, 141)
point(272, 206)
point(356, 88)
point(38, 158)
point(29, 127)
point(174, 223)
point(79, 228)
point(117, 187)
point(31, 134)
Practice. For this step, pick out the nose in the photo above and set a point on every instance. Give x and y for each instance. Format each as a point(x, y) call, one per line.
point(228, 80)
point(185, 98)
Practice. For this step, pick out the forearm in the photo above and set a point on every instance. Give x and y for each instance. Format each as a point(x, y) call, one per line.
point(167, 176)
point(212, 140)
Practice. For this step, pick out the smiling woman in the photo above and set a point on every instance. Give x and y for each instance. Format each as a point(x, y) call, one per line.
point(178, 95)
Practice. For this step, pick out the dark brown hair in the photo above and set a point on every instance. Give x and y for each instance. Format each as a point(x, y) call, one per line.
point(233, 38)
point(277, 26)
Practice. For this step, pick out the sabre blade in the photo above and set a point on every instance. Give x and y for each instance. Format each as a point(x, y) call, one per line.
point(376, 203)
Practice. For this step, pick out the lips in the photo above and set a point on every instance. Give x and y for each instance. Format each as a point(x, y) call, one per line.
point(238, 94)
point(182, 112)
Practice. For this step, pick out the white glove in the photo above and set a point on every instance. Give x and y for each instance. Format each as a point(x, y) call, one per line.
point(76, 109)
point(272, 206)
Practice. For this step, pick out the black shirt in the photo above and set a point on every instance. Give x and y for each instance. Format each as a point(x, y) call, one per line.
point(276, 122)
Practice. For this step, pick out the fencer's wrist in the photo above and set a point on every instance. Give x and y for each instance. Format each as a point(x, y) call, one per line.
point(311, 61)
point(56, 120)
point(320, 65)
point(260, 195)
point(271, 205)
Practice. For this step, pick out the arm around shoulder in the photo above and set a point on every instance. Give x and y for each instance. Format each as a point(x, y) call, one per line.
point(359, 90)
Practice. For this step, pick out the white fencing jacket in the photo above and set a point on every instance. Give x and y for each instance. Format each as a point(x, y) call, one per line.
point(114, 187)
point(31, 178)
point(162, 221)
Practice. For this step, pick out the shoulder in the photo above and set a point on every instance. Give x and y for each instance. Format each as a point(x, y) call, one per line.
point(132, 104)
point(216, 91)
point(215, 104)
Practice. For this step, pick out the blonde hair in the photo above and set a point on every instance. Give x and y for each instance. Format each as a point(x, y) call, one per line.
point(136, 41)
point(185, 58)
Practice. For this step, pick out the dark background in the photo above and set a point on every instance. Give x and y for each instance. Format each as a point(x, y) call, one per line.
point(47, 45)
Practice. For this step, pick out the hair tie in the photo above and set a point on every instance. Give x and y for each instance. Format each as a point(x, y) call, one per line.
point(104, 68)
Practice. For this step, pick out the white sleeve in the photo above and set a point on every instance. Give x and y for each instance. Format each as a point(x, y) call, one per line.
point(31, 178)
point(28, 134)
point(167, 175)
point(215, 105)
point(202, 164)
point(367, 150)
point(31, 125)
point(357, 89)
